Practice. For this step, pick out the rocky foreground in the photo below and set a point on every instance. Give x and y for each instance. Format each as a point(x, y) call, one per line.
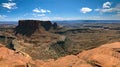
point(107, 55)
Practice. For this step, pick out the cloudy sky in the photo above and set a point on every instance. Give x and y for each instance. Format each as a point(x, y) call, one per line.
point(12, 10)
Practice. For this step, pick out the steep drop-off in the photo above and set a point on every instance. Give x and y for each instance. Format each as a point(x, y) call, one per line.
point(34, 38)
point(107, 55)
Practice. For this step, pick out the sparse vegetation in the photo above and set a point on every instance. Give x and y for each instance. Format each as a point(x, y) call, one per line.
point(47, 44)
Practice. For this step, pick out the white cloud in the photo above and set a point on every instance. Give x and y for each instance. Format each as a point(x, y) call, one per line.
point(9, 5)
point(108, 9)
point(2, 16)
point(104, 10)
point(40, 12)
point(43, 11)
point(107, 5)
point(85, 10)
point(37, 10)
point(48, 11)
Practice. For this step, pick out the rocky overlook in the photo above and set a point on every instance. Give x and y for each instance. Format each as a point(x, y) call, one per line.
point(104, 56)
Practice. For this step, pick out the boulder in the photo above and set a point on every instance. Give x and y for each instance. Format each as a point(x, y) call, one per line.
point(10, 58)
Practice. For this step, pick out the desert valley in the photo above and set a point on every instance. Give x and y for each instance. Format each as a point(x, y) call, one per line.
point(35, 43)
point(59, 33)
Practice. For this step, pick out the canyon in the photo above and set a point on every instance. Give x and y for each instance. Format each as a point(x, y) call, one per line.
point(36, 43)
point(107, 55)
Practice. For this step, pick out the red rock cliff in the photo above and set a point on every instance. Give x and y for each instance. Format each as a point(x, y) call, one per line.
point(28, 27)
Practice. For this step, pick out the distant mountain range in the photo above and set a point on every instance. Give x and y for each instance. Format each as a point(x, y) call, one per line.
point(70, 21)
point(8, 22)
point(89, 21)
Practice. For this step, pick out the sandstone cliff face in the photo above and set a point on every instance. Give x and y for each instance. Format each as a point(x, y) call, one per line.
point(9, 58)
point(104, 56)
point(34, 38)
point(107, 55)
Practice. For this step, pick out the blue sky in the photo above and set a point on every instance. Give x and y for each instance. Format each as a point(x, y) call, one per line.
point(12, 10)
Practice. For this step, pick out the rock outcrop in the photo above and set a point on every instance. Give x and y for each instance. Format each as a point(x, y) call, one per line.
point(107, 55)
point(35, 38)
point(55, 26)
point(10, 58)
point(28, 27)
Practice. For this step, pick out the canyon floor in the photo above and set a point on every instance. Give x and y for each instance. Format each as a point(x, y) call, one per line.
point(35, 43)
